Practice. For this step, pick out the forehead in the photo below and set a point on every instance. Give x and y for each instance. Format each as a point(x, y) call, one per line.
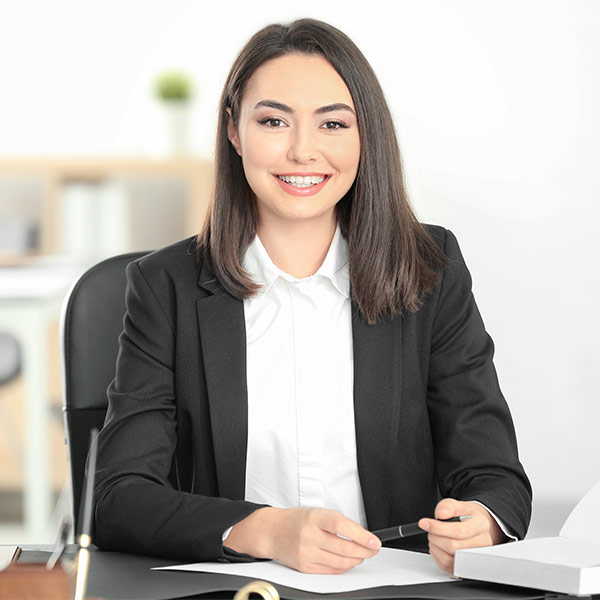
point(298, 80)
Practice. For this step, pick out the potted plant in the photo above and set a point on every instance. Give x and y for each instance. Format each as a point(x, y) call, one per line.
point(174, 90)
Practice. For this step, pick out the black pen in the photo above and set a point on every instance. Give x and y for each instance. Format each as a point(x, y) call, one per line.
point(402, 531)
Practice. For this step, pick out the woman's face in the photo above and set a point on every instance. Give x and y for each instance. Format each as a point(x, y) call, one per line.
point(298, 138)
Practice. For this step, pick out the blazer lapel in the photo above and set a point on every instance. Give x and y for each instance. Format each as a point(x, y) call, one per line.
point(223, 340)
point(377, 381)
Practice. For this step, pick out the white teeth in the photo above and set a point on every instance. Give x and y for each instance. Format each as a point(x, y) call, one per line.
point(302, 182)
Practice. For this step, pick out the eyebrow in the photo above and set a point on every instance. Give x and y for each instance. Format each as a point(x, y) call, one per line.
point(288, 109)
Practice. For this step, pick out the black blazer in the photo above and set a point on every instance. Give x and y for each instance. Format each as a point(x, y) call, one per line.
point(431, 421)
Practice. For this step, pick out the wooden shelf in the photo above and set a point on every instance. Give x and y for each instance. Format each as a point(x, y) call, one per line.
point(57, 171)
point(65, 167)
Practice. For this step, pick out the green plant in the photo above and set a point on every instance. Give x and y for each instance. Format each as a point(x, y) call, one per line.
point(173, 85)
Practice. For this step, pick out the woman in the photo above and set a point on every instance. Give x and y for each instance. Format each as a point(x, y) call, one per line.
point(313, 365)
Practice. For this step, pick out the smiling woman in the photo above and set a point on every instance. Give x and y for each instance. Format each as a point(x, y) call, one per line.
point(389, 272)
point(313, 364)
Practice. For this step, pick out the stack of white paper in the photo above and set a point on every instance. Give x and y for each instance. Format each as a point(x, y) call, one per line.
point(568, 563)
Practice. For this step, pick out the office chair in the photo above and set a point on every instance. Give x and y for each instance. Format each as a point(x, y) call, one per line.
point(92, 319)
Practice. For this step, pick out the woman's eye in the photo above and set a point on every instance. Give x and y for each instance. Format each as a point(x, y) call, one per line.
point(272, 122)
point(334, 125)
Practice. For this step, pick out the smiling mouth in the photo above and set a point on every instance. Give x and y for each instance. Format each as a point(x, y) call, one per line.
point(300, 181)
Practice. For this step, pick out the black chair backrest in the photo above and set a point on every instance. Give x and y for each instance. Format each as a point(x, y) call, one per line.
point(92, 320)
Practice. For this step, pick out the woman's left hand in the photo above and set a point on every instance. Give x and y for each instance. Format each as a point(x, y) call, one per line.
point(446, 538)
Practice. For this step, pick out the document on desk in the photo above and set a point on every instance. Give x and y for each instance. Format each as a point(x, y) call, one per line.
point(388, 567)
point(568, 563)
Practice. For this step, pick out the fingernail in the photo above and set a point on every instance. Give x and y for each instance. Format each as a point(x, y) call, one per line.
point(374, 543)
point(424, 525)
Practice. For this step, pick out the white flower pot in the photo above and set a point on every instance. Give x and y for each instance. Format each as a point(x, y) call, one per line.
point(177, 123)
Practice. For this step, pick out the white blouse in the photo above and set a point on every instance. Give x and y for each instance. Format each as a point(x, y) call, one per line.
point(301, 433)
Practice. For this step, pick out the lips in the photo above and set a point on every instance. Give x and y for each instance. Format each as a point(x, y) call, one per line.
point(299, 184)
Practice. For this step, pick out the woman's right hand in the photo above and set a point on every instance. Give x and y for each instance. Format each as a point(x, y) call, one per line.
point(310, 540)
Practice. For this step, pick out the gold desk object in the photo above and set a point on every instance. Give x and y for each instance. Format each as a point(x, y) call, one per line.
point(265, 589)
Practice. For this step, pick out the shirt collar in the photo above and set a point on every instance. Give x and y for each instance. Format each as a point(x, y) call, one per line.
point(335, 266)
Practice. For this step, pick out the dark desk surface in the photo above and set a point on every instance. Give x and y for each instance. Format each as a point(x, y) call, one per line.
point(116, 576)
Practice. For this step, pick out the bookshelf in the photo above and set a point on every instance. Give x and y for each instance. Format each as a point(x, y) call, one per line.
point(53, 176)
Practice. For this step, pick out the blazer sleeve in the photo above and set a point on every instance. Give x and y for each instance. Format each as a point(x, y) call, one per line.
point(473, 433)
point(138, 506)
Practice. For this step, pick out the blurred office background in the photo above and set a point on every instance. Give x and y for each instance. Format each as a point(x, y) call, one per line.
point(496, 107)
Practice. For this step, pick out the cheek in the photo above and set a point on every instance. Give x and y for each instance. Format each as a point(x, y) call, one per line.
point(348, 156)
point(260, 150)
point(345, 154)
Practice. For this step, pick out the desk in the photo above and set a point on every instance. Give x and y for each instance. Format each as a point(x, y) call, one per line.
point(115, 575)
point(30, 299)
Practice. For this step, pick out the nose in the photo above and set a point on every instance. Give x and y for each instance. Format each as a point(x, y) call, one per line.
point(303, 147)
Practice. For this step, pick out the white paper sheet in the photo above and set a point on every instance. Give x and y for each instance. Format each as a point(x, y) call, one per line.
point(388, 567)
point(584, 521)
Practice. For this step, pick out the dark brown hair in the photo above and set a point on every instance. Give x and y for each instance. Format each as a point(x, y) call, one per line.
point(393, 260)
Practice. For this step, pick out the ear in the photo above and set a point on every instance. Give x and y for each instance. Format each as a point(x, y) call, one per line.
point(232, 133)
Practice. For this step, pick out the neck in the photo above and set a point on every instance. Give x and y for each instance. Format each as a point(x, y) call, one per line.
point(298, 248)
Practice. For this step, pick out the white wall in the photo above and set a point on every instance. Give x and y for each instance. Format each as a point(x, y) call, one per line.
point(496, 105)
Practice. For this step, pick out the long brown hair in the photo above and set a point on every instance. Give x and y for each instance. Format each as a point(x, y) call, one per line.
point(393, 260)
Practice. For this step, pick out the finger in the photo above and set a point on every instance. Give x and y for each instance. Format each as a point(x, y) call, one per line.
point(318, 569)
point(321, 570)
point(449, 507)
point(342, 563)
point(451, 545)
point(443, 548)
point(343, 547)
point(459, 531)
point(336, 523)
point(443, 559)
point(323, 561)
